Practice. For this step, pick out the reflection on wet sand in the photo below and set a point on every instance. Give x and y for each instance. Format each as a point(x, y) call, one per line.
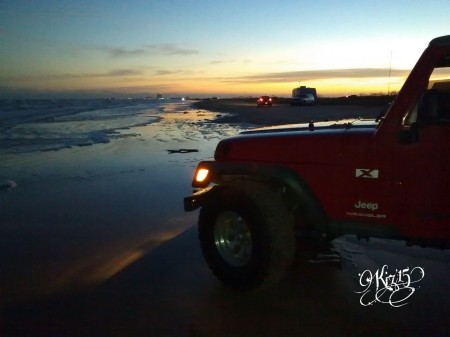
point(94, 240)
point(93, 211)
point(107, 263)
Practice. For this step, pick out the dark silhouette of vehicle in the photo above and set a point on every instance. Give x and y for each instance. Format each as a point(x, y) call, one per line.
point(264, 100)
point(303, 99)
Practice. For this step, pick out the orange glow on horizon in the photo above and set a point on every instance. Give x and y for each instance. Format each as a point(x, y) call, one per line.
point(217, 87)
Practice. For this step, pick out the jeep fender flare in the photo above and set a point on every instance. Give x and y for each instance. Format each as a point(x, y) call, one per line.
point(297, 188)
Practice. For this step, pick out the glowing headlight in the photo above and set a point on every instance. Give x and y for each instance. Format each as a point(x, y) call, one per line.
point(201, 175)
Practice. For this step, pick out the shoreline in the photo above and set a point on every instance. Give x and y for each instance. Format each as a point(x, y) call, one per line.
point(99, 188)
point(245, 111)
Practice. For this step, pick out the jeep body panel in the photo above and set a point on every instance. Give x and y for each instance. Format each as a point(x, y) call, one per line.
point(389, 178)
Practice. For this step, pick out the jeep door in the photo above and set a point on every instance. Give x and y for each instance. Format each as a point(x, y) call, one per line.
point(421, 171)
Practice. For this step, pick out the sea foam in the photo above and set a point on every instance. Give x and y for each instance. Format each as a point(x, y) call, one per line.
point(50, 125)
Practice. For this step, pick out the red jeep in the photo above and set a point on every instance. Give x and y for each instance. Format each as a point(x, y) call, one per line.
point(388, 178)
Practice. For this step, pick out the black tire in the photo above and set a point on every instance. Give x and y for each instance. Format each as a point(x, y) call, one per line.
point(252, 213)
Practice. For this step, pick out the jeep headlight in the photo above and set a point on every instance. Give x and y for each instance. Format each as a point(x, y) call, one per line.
point(201, 175)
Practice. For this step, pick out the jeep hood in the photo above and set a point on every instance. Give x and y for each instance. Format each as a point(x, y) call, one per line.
point(317, 143)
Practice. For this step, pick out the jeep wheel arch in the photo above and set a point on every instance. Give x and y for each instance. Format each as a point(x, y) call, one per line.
point(297, 192)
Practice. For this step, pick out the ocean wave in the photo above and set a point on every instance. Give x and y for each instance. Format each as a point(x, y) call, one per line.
point(51, 125)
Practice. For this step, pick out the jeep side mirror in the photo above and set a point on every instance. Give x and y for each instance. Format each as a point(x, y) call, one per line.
point(410, 136)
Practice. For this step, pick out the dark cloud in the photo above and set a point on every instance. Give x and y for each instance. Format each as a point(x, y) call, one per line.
point(112, 73)
point(121, 72)
point(122, 52)
point(152, 49)
point(166, 72)
point(309, 75)
point(171, 49)
point(68, 76)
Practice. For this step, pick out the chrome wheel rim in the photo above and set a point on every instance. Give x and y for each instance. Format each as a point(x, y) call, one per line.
point(233, 239)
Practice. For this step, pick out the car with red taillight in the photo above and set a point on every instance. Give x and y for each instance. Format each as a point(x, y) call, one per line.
point(264, 101)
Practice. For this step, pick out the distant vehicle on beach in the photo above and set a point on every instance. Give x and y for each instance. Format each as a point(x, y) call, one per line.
point(264, 100)
point(304, 90)
point(303, 96)
point(304, 99)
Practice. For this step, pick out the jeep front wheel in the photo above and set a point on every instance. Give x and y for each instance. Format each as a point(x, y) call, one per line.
point(247, 236)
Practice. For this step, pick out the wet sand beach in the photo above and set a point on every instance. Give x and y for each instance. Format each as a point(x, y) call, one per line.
point(245, 111)
point(94, 242)
point(76, 216)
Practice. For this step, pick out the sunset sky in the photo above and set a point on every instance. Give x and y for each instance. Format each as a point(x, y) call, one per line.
point(211, 48)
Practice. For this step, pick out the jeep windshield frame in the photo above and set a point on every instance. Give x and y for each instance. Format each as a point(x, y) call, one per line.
point(436, 55)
